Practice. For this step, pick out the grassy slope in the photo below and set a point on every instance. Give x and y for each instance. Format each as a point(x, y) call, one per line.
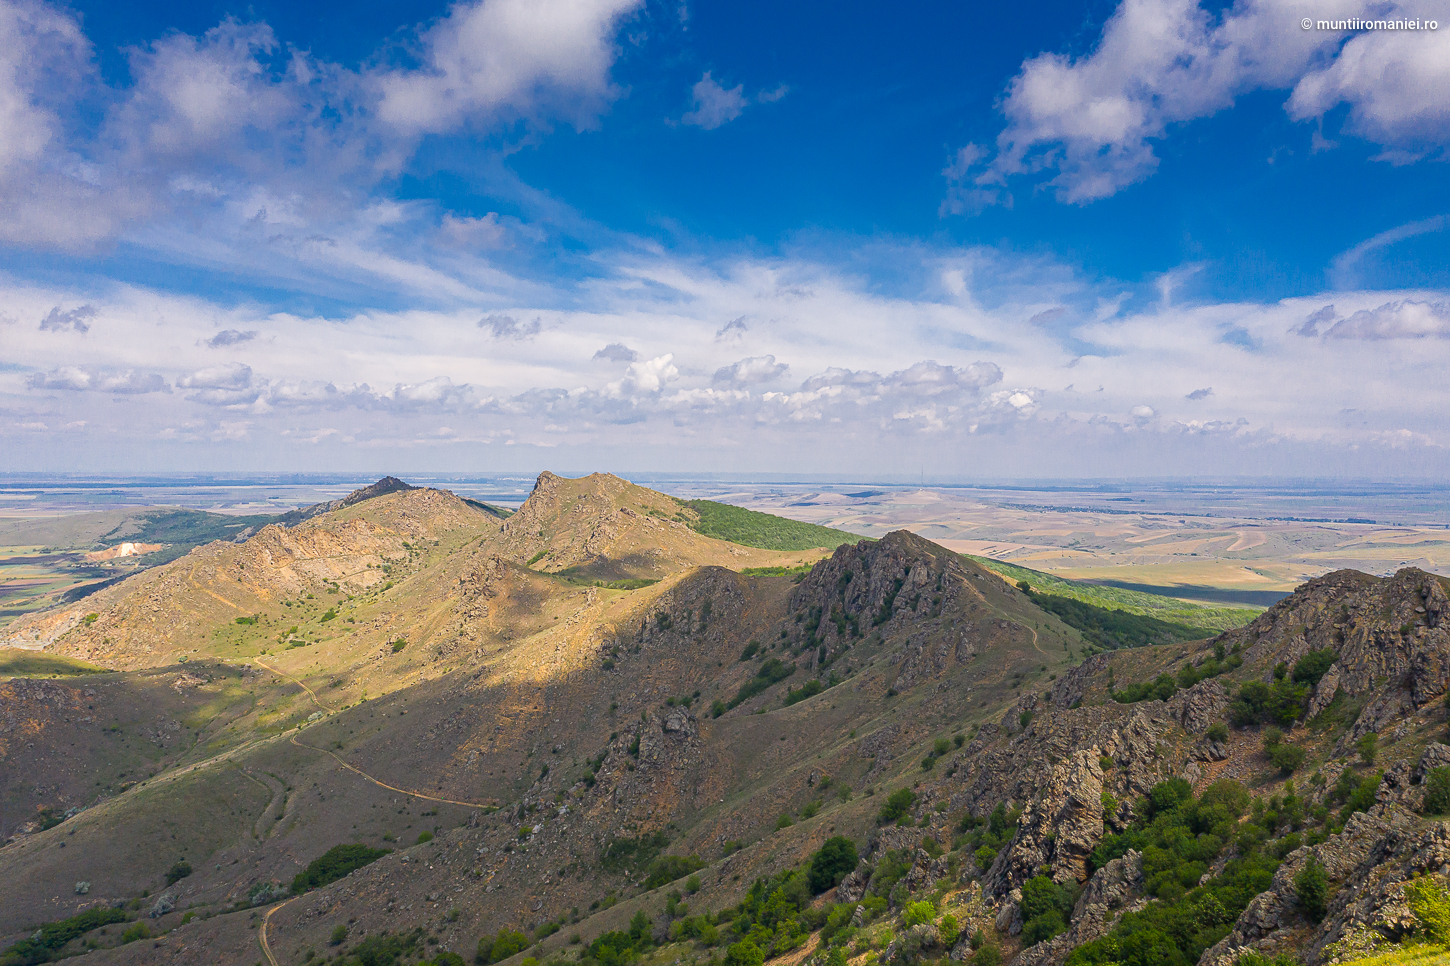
point(763, 530)
point(18, 663)
point(1167, 609)
point(1410, 956)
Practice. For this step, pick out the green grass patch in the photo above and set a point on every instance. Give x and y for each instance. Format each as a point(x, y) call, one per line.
point(1111, 629)
point(776, 571)
point(1168, 609)
point(765, 531)
point(15, 662)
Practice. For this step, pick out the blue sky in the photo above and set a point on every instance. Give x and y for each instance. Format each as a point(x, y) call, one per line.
point(1097, 239)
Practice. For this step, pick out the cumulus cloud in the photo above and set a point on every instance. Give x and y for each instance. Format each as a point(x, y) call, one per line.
point(511, 57)
point(82, 379)
point(1198, 394)
point(1091, 121)
point(752, 370)
point(508, 327)
point(1405, 319)
point(77, 320)
point(646, 376)
point(228, 337)
point(617, 352)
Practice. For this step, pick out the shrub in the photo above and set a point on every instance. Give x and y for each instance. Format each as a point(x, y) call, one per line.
point(1437, 791)
point(424, 837)
point(785, 821)
point(917, 913)
point(984, 857)
point(835, 859)
point(139, 931)
point(37, 947)
point(178, 872)
point(623, 855)
point(1312, 666)
point(507, 943)
point(988, 955)
point(1311, 887)
point(898, 805)
point(1368, 747)
point(1218, 731)
point(333, 864)
point(950, 930)
point(339, 935)
point(668, 868)
point(1431, 905)
point(717, 708)
point(744, 953)
point(1046, 907)
point(1287, 758)
point(1272, 737)
point(772, 671)
point(1279, 703)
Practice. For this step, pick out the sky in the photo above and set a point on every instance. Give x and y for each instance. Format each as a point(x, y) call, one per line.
point(945, 240)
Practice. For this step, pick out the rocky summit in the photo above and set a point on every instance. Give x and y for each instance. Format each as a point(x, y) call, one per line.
point(614, 727)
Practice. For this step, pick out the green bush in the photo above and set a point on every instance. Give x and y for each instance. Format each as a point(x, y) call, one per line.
point(988, 955)
point(1437, 791)
point(1368, 747)
point(1218, 731)
point(178, 872)
point(772, 671)
point(492, 949)
point(339, 935)
point(1287, 758)
point(835, 859)
point(37, 948)
point(1311, 888)
point(1312, 666)
point(333, 864)
point(898, 805)
point(744, 953)
point(625, 855)
point(138, 931)
point(917, 913)
point(1430, 903)
point(1046, 908)
point(1279, 703)
point(668, 868)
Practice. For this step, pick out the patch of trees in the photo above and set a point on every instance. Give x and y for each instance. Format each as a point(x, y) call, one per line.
point(983, 838)
point(1111, 629)
point(49, 938)
point(626, 854)
point(333, 864)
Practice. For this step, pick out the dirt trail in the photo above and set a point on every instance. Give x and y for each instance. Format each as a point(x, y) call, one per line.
point(393, 788)
point(310, 693)
point(354, 769)
point(262, 932)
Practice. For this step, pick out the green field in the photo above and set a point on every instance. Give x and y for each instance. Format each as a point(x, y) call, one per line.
point(762, 530)
point(16, 663)
point(1168, 609)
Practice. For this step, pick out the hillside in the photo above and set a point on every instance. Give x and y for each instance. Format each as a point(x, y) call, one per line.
point(407, 724)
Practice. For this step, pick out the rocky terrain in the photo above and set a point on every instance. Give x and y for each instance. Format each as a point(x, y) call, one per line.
point(532, 713)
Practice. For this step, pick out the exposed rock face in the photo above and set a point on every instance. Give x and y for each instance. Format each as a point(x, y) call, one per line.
point(1058, 830)
point(1391, 638)
point(1199, 706)
point(1114, 889)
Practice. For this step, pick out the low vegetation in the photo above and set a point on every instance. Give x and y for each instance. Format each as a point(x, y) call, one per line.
point(333, 864)
point(763, 530)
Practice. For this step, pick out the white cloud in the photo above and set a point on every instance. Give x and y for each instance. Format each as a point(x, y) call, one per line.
point(83, 379)
point(752, 370)
point(714, 104)
point(507, 57)
point(1091, 121)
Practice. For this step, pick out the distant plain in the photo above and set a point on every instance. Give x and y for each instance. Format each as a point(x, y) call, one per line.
point(1224, 543)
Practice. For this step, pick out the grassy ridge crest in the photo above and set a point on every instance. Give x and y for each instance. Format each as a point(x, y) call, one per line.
point(1168, 609)
point(764, 531)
